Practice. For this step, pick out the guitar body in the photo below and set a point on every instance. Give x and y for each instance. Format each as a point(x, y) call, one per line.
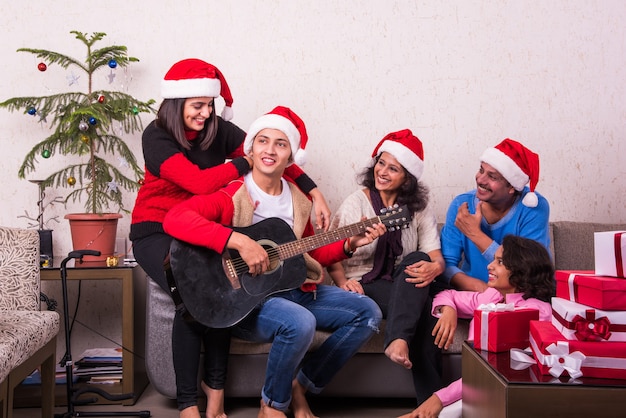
point(216, 298)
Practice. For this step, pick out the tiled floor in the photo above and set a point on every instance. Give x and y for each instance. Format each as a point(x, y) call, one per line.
point(160, 407)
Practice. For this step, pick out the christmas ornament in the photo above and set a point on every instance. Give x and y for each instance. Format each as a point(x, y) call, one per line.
point(92, 121)
point(83, 126)
point(101, 99)
point(71, 180)
point(72, 78)
point(84, 138)
point(46, 153)
point(32, 111)
point(141, 182)
point(112, 186)
point(42, 67)
point(112, 63)
point(135, 110)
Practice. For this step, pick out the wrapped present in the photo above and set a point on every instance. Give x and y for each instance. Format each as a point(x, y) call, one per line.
point(581, 322)
point(500, 327)
point(609, 249)
point(556, 355)
point(608, 293)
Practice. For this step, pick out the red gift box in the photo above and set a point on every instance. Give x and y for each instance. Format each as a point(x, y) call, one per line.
point(581, 322)
point(501, 330)
point(556, 355)
point(583, 286)
point(609, 249)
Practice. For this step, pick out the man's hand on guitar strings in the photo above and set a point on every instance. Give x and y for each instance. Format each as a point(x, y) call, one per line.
point(251, 252)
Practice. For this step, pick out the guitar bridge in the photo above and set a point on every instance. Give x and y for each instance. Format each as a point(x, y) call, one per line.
point(231, 272)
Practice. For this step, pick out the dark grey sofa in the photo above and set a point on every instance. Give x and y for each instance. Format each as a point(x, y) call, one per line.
point(369, 373)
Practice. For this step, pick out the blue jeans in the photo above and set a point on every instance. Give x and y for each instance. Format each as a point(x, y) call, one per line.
point(289, 319)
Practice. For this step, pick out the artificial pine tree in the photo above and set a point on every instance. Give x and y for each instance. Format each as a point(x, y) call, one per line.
point(88, 125)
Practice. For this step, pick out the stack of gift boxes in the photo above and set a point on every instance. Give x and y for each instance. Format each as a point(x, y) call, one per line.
point(587, 333)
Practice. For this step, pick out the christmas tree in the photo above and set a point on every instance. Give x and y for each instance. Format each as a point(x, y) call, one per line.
point(87, 126)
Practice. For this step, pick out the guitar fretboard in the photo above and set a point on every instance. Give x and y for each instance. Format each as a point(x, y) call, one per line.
point(307, 244)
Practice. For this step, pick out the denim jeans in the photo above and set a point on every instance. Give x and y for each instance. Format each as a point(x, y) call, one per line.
point(289, 319)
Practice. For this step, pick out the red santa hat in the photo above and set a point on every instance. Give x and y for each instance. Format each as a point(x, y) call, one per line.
point(195, 78)
point(286, 121)
point(406, 148)
point(517, 164)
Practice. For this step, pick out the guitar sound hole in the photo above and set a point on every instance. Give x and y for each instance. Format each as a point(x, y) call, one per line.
point(257, 285)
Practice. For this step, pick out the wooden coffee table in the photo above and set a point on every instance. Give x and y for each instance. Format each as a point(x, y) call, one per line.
point(491, 388)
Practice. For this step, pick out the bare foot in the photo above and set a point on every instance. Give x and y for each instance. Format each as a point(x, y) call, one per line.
point(299, 403)
point(214, 402)
point(398, 352)
point(268, 412)
point(190, 412)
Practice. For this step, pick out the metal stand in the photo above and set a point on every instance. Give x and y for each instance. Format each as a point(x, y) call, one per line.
point(73, 394)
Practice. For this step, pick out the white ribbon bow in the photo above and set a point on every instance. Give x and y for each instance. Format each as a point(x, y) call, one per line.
point(496, 307)
point(560, 360)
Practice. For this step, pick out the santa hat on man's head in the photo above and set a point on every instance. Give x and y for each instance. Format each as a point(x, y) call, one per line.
point(192, 77)
point(517, 164)
point(406, 148)
point(286, 121)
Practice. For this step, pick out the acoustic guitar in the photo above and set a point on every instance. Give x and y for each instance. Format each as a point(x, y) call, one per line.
point(217, 289)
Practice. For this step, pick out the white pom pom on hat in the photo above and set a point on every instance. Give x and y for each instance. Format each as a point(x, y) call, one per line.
point(406, 148)
point(193, 77)
point(286, 121)
point(517, 164)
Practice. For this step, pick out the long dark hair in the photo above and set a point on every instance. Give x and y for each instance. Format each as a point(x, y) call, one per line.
point(532, 271)
point(412, 192)
point(170, 118)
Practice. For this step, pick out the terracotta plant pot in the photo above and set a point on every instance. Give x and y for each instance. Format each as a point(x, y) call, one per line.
point(94, 232)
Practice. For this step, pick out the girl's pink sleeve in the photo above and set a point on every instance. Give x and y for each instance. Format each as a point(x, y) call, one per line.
point(450, 393)
point(465, 302)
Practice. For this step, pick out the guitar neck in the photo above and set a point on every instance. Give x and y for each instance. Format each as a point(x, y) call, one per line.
point(307, 244)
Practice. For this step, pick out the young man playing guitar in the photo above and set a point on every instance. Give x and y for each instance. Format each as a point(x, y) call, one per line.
point(287, 318)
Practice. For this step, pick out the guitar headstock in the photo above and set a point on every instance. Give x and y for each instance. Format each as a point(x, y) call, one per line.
point(395, 217)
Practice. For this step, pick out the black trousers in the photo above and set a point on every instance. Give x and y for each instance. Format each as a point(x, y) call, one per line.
point(407, 310)
point(187, 336)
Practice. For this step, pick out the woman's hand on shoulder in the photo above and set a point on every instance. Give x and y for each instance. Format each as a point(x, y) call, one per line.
point(322, 211)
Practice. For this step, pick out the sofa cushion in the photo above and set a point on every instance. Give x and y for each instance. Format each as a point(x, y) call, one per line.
point(22, 334)
point(19, 269)
point(573, 243)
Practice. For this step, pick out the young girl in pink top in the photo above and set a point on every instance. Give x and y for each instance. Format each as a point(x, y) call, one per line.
point(521, 273)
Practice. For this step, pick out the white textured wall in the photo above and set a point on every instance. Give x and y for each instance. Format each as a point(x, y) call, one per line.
point(462, 75)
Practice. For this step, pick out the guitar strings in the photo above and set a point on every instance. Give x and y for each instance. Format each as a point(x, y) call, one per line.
point(304, 245)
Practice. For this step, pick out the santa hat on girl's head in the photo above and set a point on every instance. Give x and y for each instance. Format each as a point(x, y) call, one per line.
point(517, 164)
point(286, 121)
point(406, 148)
point(195, 78)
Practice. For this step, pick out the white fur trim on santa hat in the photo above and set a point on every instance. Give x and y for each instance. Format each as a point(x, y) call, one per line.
point(193, 87)
point(506, 166)
point(409, 160)
point(273, 121)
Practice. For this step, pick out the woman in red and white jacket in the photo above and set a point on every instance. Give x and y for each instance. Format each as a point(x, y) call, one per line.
point(185, 150)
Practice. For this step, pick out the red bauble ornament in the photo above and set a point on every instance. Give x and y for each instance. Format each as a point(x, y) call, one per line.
point(141, 182)
point(42, 66)
point(101, 99)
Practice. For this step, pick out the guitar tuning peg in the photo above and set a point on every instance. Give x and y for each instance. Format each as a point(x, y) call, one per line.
point(383, 210)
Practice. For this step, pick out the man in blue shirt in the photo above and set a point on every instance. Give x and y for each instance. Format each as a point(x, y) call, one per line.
point(501, 204)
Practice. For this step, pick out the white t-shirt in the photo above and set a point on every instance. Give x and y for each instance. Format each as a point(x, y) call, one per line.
point(270, 206)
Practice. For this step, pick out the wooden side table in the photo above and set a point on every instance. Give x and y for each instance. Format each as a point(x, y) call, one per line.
point(134, 378)
point(491, 388)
